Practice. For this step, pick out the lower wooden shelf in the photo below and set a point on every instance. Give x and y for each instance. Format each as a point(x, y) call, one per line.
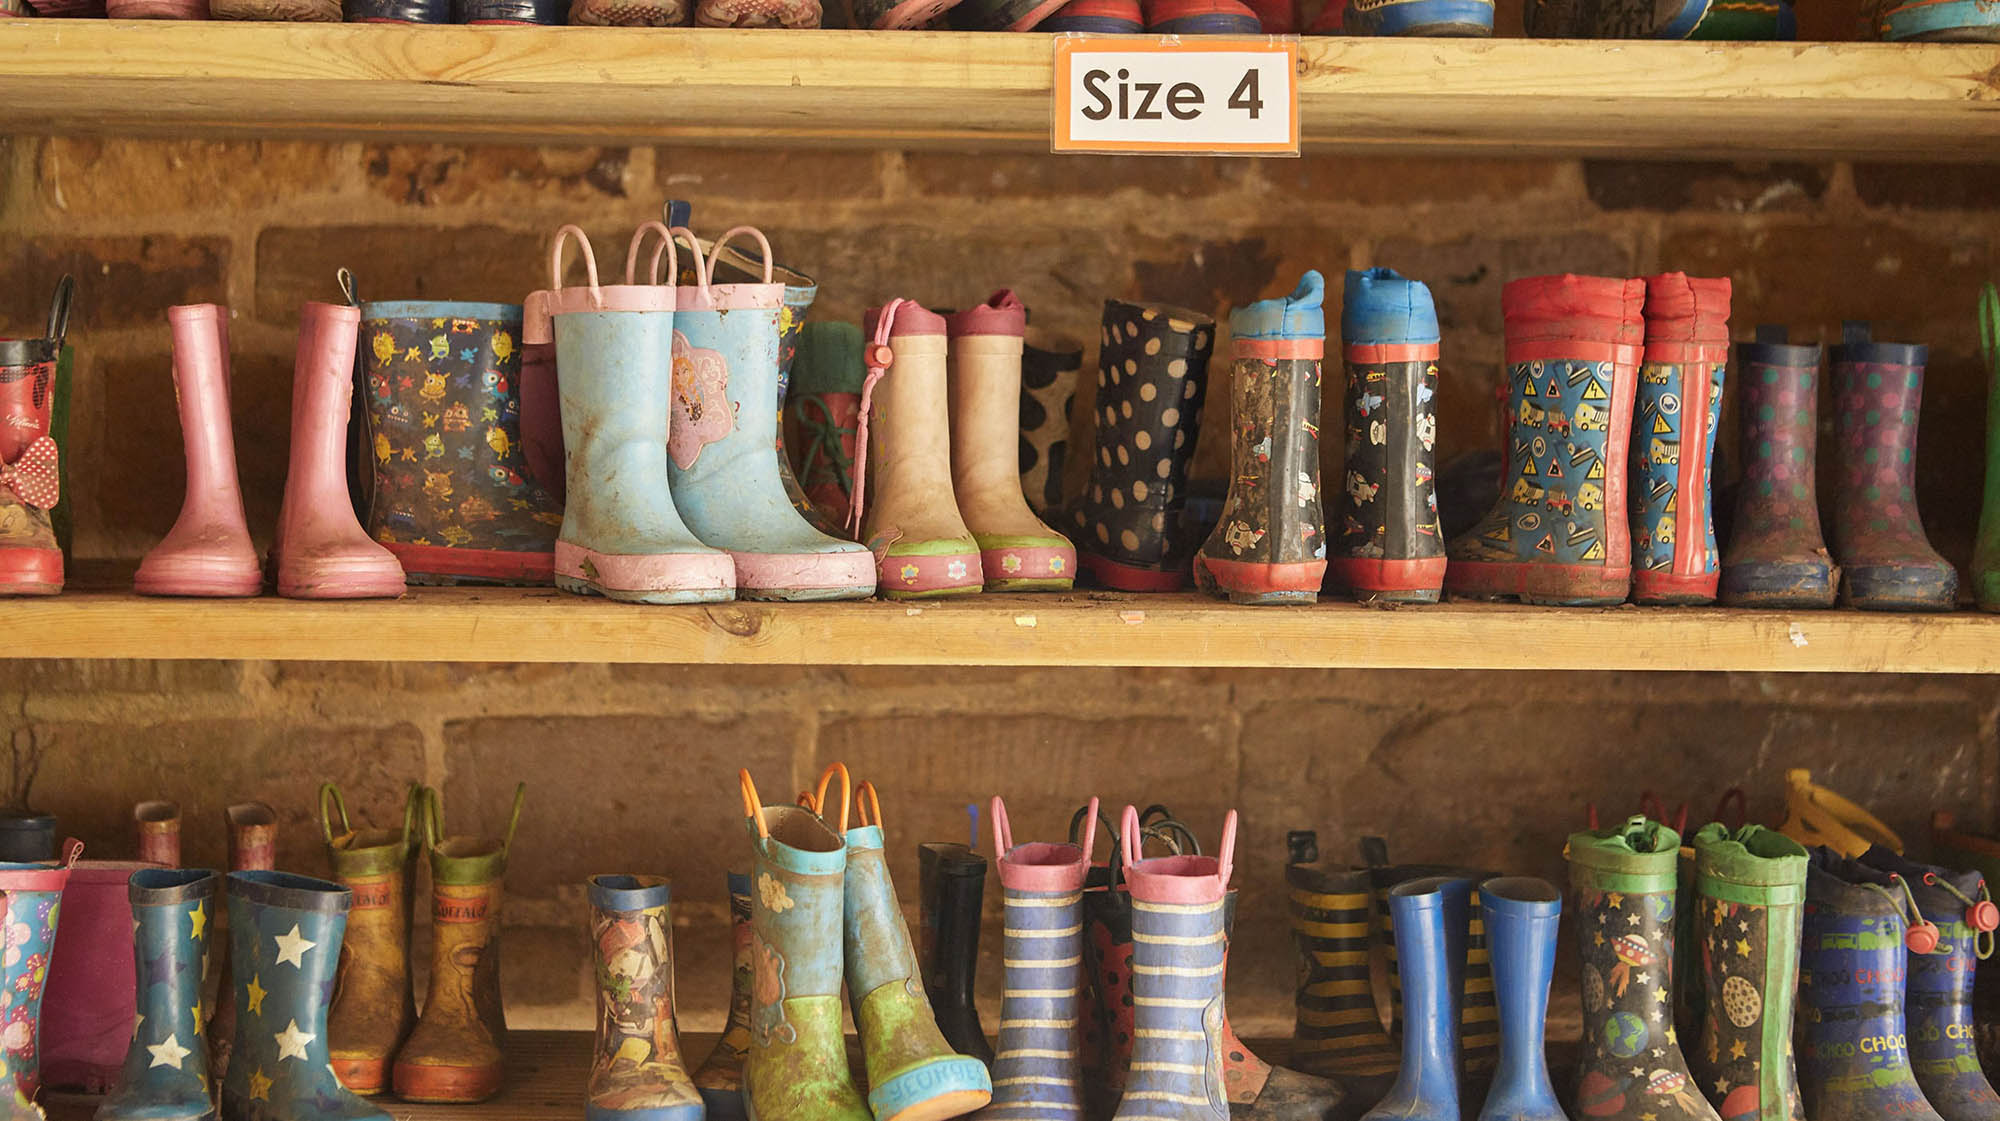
point(1081, 628)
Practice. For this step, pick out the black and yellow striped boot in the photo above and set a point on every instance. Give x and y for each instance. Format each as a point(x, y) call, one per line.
point(1339, 1030)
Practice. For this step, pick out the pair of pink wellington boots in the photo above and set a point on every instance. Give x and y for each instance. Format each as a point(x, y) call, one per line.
point(321, 551)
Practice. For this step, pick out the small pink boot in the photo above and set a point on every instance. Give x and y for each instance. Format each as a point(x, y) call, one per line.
point(321, 551)
point(208, 552)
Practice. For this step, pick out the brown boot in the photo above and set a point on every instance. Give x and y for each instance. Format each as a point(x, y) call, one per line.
point(253, 847)
point(373, 1006)
point(454, 1053)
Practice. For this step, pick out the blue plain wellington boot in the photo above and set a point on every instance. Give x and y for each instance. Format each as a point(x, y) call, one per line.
point(1521, 915)
point(284, 943)
point(165, 1077)
point(722, 447)
point(636, 1071)
point(1431, 916)
point(621, 535)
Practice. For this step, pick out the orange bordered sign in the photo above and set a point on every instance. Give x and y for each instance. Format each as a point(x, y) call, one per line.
point(1176, 95)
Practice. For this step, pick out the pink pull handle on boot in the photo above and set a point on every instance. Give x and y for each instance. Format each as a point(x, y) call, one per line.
point(208, 552)
point(321, 551)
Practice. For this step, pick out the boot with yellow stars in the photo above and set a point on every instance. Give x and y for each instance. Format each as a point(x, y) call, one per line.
point(165, 1077)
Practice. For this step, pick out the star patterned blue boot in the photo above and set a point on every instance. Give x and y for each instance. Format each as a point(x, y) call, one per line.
point(165, 1077)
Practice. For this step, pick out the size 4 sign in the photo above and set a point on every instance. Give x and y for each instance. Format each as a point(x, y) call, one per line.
point(1176, 95)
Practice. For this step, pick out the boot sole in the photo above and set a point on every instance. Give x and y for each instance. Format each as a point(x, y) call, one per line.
point(584, 587)
point(443, 1085)
point(1371, 580)
point(933, 1091)
point(657, 578)
point(1131, 578)
point(434, 565)
point(362, 1076)
point(1549, 585)
point(1252, 583)
point(1653, 589)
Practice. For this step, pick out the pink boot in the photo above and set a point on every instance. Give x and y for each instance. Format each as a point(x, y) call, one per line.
point(208, 551)
point(321, 552)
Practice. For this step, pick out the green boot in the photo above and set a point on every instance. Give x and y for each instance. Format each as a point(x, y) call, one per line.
point(1749, 897)
point(1986, 554)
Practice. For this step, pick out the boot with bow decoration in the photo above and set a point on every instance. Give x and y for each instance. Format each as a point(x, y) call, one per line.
point(31, 560)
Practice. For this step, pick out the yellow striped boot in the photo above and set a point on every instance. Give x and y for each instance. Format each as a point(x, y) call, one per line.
point(1339, 1029)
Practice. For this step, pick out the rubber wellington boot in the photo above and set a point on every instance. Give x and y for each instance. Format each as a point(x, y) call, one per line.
point(1201, 17)
point(253, 847)
point(636, 1073)
point(1956, 848)
point(164, 1075)
point(621, 536)
point(1623, 880)
point(1339, 1030)
point(1479, 1017)
point(1152, 375)
point(723, 449)
point(321, 551)
point(1037, 1075)
point(159, 827)
point(951, 881)
point(1049, 366)
point(1944, 1053)
point(455, 1052)
point(1748, 894)
point(1817, 816)
point(1520, 915)
point(797, 1065)
point(1270, 546)
point(824, 407)
point(912, 524)
point(1860, 928)
point(452, 496)
point(1105, 1048)
point(208, 552)
point(1673, 439)
point(1431, 916)
point(720, 1076)
point(31, 559)
point(1017, 551)
point(1388, 547)
point(284, 935)
point(1106, 17)
point(1558, 534)
point(1986, 552)
point(88, 1006)
point(1886, 562)
point(373, 1005)
point(1447, 18)
point(1776, 556)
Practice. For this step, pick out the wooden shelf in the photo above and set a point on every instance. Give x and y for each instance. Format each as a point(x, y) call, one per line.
point(1083, 628)
point(939, 89)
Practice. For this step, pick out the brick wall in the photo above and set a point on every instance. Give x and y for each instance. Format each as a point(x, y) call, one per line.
point(630, 765)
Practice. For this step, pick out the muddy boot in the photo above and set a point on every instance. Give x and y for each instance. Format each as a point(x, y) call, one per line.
point(1017, 552)
point(159, 828)
point(1986, 552)
point(1817, 816)
point(208, 551)
point(1270, 546)
point(1152, 376)
point(1037, 1074)
point(88, 1006)
point(253, 847)
point(823, 410)
point(1558, 535)
point(31, 560)
point(636, 1073)
point(1749, 889)
point(1048, 387)
point(1673, 439)
point(1860, 929)
point(723, 451)
point(1777, 556)
point(456, 1052)
point(165, 1074)
point(1944, 1054)
point(1886, 562)
point(720, 1076)
point(1388, 547)
point(1520, 915)
point(1479, 1018)
point(952, 892)
point(1957, 848)
point(374, 1007)
point(903, 479)
point(913, 1074)
point(1623, 880)
point(1339, 1031)
point(1431, 916)
point(797, 1065)
point(284, 934)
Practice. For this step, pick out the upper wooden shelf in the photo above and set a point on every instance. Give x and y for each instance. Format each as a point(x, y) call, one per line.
point(1083, 628)
point(1502, 97)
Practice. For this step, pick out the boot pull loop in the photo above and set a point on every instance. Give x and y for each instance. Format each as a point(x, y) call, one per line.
point(1176, 834)
point(1989, 327)
point(879, 357)
point(329, 794)
point(846, 793)
point(433, 817)
point(1921, 935)
point(715, 251)
point(1090, 818)
point(1095, 814)
point(972, 829)
point(1733, 811)
point(1129, 839)
point(59, 310)
point(412, 805)
point(1980, 914)
point(589, 263)
point(867, 806)
point(753, 807)
point(72, 851)
point(1590, 816)
point(1003, 830)
point(807, 801)
point(1226, 858)
point(702, 279)
point(514, 818)
point(349, 290)
point(666, 250)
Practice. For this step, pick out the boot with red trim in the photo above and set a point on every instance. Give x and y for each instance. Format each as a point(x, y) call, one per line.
point(31, 561)
point(1673, 439)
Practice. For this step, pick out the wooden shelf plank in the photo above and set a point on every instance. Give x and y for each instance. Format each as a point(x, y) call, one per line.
point(1084, 628)
point(945, 89)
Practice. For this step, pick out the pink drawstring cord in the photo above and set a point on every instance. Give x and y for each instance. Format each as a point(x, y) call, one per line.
point(878, 359)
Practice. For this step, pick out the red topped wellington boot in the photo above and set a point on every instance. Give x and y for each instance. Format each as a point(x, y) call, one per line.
point(31, 562)
point(208, 552)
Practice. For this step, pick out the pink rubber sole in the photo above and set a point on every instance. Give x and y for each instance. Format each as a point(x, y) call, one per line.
point(30, 572)
point(354, 577)
point(946, 574)
point(185, 575)
point(618, 574)
point(841, 575)
point(1004, 566)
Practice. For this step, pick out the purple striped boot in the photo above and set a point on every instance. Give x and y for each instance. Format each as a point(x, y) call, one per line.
point(1036, 1071)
